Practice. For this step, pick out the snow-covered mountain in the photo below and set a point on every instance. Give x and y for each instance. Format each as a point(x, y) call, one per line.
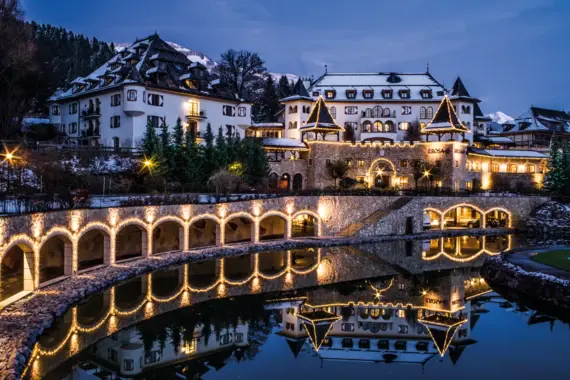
point(196, 56)
point(500, 117)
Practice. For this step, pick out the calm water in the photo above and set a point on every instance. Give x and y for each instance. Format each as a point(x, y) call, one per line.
point(403, 309)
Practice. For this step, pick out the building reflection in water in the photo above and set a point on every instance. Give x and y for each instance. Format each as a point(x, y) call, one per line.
point(344, 303)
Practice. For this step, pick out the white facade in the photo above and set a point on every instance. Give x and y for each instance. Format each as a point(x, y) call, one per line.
point(134, 114)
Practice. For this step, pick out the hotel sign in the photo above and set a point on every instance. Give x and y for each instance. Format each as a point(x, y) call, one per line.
point(446, 151)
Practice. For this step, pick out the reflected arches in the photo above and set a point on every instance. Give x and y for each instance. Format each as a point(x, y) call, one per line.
point(435, 219)
point(203, 232)
point(238, 228)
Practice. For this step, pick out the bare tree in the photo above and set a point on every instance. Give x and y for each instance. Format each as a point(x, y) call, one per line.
point(337, 170)
point(17, 67)
point(224, 182)
point(239, 71)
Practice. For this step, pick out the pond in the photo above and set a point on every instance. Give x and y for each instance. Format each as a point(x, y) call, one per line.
point(403, 309)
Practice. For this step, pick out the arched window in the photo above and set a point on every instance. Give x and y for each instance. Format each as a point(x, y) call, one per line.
point(377, 111)
point(389, 126)
point(530, 168)
point(367, 126)
point(429, 113)
point(386, 112)
point(377, 127)
point(290, 109)
point(273, 179)
point(422, 113)
point(290, 125)
point(294, 125)
point(332, 110)
point(116, 143)
point(368, 112)
point(422, 126)
point(308, 109)
point(297, 182)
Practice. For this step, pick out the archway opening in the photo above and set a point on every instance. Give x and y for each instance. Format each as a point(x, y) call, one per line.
point(285, 182)
point(271, 228)
point(497, 219)
point(55, 258)
point(238, 230)
point(238, 268)
point(203, 233)
point(91, 249)
point(431, 247)
point(273, 181)
point(16, 271)
point(91, 311)
point(297, 182)
point(470, 245)
point(497, 244)
point(462, 217)
point(204, 273)
point(270, 263)
point(130, 242)
point(166, 237)
point(302, 259)
point(304, 225)
point(167, 282)
point(382, 173)
point(431, 220)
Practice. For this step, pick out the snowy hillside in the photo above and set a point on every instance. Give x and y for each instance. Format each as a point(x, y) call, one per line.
point(500, 117)
point(196, 56)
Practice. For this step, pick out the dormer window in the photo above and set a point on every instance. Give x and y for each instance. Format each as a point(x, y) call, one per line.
point(368, 94)
point(387, 94)
point(440, 93)
point(316, 93)
point(330, 94)
point(404, 94)
point(426, 94)
point(351, 94)
point(191, 84)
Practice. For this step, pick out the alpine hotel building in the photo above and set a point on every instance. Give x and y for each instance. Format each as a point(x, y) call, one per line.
point(364, 119)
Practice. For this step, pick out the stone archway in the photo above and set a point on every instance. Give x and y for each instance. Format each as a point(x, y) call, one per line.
point(167, 236)
point(304, 225)
point(272, 227)
point(17, 271)
point(203, 233)
point(297, 182)
point(238, 229)
point(497, 218)
point(131, 242)
point(382, 173)
point(55, 258)
point(462, 216)
point(92, 248)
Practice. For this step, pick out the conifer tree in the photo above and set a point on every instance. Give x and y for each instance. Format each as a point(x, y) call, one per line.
point(221, 150)
point(150, 140)
point(269, 104)
point(209, 161)
point(555, 178)
point(284, 89)
point(178, 135)
point(256, 165)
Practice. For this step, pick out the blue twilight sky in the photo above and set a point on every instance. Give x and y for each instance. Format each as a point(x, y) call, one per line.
point(509, 53)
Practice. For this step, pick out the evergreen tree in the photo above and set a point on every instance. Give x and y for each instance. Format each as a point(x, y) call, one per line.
point(178, 134)
point(150, 141)
point(221, 153)
point(256, 165)
point(269, 103)
point(284, 89)
point(209, 160)
point(164, 138)
point(555, 178)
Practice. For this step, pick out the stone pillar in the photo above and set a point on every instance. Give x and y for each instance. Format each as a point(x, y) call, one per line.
point(254, 235)
point(288, 228)
point(146, 244)
point(185, 240)
point(181, 274)
point(29, 270)
point(109, 248)
point(220, 234)
point(218, 270)
point(68, 248)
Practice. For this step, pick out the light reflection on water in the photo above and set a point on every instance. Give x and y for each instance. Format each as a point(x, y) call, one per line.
point(305, 313)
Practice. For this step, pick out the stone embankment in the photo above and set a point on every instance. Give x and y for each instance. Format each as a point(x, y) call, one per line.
point(516, 271)
point(550, 219)
point(22, 322)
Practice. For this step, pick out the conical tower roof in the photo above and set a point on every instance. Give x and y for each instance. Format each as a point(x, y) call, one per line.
point(299, 93)
point(321, 118)
point(459, 89)
point(318, 324)
point(445, 119)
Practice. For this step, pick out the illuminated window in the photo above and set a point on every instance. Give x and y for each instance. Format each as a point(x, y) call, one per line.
point(401, 313)
point(512, 168)
point(389, 126)
point(495, 168)
point(367, 126)
point(377, 127)
point(404, 181)
point(348, 162)
point(469, 184)
point(330, 94)
point(404, 126)
point(530, 168)
point(403, 163)
point(360, 163)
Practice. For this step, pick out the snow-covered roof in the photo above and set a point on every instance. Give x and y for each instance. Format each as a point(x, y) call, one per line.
point(415, 82)
point(445, 120)
point(267, 125)
point(510, 153)
point(500, 140)
point(283, 143)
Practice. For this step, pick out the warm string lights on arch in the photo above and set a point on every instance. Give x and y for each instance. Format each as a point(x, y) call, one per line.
point(456, 256)
point(482, 213)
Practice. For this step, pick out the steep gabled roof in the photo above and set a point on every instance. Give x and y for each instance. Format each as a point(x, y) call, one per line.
point(459, 89)
point(299, 93)
point(442, 330)
point(318, 324)
point(445, 120)
point(321, 118)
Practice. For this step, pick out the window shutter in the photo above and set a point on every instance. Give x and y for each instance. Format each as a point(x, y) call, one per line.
point(161, 100)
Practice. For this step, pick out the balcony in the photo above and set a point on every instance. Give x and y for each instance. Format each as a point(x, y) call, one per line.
point(196, 115)
point(91, 113)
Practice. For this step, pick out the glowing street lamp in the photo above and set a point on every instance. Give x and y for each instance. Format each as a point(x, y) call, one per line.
point(148, 163)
